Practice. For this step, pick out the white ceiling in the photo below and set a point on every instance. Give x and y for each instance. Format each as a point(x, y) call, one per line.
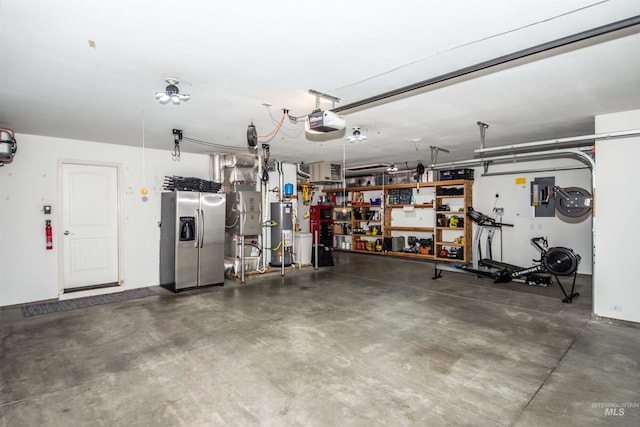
point(234, 56)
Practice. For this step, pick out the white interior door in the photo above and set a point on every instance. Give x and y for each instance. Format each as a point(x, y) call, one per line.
point(89, 226)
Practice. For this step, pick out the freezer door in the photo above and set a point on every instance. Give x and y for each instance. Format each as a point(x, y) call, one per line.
point(168, 240)
point(212, 219)
point(186, 241)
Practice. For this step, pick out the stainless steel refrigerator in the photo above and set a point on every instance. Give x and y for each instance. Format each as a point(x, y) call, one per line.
point(192, 239)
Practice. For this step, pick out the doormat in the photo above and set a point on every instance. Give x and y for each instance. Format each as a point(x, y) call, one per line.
point(72, 304)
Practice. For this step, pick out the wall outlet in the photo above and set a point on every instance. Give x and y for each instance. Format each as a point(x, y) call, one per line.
point(498, 211)
point(616, 307)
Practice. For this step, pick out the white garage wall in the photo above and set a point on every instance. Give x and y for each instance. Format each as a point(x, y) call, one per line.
point(28, 272)
point(616, 290)
point(515, 199)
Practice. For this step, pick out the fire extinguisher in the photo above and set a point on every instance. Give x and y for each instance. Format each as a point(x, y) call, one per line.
point(49, 233)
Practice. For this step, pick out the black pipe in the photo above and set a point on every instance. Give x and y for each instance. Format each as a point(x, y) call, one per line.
point(564, 41)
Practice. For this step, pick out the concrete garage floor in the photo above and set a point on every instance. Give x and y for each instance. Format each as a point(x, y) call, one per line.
point(368, 342)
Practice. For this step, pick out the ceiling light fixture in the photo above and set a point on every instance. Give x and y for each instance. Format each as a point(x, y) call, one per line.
point(356, 136)
point(172, 93)
point(392, 168)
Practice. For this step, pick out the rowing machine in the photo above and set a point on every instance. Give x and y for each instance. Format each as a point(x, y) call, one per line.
point(557, 261)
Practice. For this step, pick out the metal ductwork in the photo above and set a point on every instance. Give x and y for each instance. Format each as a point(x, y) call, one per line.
point(233, 170)
point(302, 173)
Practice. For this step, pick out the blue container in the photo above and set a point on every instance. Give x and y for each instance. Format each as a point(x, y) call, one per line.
point(288, 189)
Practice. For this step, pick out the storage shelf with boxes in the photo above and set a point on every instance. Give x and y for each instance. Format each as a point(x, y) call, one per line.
point(424, 220)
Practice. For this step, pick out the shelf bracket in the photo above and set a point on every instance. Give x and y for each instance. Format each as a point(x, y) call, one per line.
point(483, 131)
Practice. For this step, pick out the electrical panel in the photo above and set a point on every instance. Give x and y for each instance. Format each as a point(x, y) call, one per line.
point(325, 172)
point(541, 190)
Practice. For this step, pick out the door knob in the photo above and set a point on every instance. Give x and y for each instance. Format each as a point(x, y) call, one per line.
point(66, 233)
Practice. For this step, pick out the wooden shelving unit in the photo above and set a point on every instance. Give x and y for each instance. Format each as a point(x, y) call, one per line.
point(416, 229)
point(443, 236)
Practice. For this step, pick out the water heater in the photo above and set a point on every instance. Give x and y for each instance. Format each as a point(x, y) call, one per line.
point(281, 234)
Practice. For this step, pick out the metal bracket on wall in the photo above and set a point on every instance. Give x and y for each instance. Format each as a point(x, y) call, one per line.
point(483, 130)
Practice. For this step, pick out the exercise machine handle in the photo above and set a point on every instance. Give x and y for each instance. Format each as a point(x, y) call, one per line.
point(484, 220)
point(544, 246)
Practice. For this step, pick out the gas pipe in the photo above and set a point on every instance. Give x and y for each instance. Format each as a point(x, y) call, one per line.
point(49, 234)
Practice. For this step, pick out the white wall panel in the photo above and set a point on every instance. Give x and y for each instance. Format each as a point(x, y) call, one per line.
point(28, 272)
point(515, 200)
point(616, 290)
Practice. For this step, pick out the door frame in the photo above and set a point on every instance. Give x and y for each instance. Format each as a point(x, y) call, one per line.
point(59, 233)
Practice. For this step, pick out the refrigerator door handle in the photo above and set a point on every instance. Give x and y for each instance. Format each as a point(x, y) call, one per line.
point(197, 233)
point(202, 228)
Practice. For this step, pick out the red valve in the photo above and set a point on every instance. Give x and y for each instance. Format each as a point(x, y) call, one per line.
point(49, 232)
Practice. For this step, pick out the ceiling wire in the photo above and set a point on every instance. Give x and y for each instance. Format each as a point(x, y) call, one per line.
point(213, 144)
point(294, 118)
point(452, 48)
point(344, 176)
point(144, 175)
point(275, 121)
point(234, 148)
point(276, 129)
